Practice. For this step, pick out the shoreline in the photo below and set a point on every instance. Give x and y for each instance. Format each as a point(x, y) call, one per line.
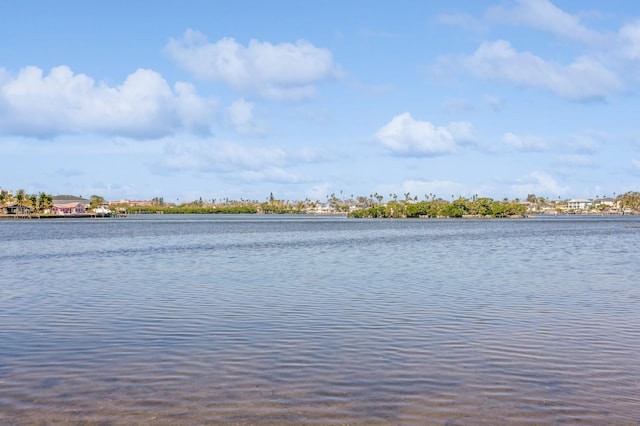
point(4, 217)
point(46, 216)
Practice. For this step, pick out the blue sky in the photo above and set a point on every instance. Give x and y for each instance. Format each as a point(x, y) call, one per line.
point(212, 99)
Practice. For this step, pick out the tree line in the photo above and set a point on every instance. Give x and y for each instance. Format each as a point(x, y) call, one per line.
point(35, 202)
point(461, 207)
point(359, 207)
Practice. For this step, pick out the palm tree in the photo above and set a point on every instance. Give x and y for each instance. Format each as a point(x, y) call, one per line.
point(33, 200)
point(20, 199)
point(20, 195)
point(45, 201)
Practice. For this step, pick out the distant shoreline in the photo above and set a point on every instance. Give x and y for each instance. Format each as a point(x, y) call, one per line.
point(21, 217)
point(53, 216)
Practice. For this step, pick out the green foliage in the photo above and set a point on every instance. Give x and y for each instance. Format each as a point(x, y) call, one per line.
point(37, 203)
point(232, 208)
point(193, 209)
point(631, 200)
point(359, 207)
point(95, 201)
point(462, 207)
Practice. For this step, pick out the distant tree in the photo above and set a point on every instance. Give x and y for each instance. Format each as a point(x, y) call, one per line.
point(33, 201)
point(95, 201)
point(333, 201)
point(45, 201)
point(20, 196)
point(631, 200)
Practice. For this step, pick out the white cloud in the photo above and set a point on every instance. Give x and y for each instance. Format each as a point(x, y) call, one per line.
point(405, 136)
point(143, 106)
point(271, 174)
point(240, 117)
point(587, 142)
point(575, 160)
point(245, 163)
point(544, 15)
point(283, 71)
point(524, 143)
point(220, 157)
point(629, 40)
point(635, 164)
point(537, 183)
point(194, 112)
point(584, 79)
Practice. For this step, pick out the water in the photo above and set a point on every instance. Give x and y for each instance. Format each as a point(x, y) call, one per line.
point(291, 320)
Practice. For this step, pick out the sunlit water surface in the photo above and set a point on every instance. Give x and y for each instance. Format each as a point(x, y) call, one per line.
point(290, 320)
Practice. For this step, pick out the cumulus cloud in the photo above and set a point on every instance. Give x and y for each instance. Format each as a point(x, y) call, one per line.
point(240, 117)
point(545, 16)
point(143, 106)
point(537, 183)
point(247, 163)
point(404, 135)
point(607, 68)
point(271, 174)
point(194, 112)
point(583, 79)
point(587, 142)
point(629, 40)
point(524, 143)
point(220, 157)
point(282, 71)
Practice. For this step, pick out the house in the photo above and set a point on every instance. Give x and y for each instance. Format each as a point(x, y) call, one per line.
point(134, 203)
point(59, 200)
point(102, 210)
point(321, 208)
point(17, 209)
point(69, 205)
point(69, 208)
point(607, 203)
point(579, 204)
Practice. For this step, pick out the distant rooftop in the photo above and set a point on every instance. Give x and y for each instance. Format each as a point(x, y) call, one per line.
point(65, 199)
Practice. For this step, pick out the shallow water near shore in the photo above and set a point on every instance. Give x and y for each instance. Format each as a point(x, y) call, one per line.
point(320, 320)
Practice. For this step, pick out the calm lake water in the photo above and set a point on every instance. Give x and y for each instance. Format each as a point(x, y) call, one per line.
point(292, 320)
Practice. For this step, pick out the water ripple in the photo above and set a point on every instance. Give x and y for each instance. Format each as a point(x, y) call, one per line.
point(319, 321)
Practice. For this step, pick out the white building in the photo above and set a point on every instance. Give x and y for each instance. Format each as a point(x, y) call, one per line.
point(579, 204)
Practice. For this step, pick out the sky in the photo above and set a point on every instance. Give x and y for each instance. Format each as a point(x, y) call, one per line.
point(242, 99)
